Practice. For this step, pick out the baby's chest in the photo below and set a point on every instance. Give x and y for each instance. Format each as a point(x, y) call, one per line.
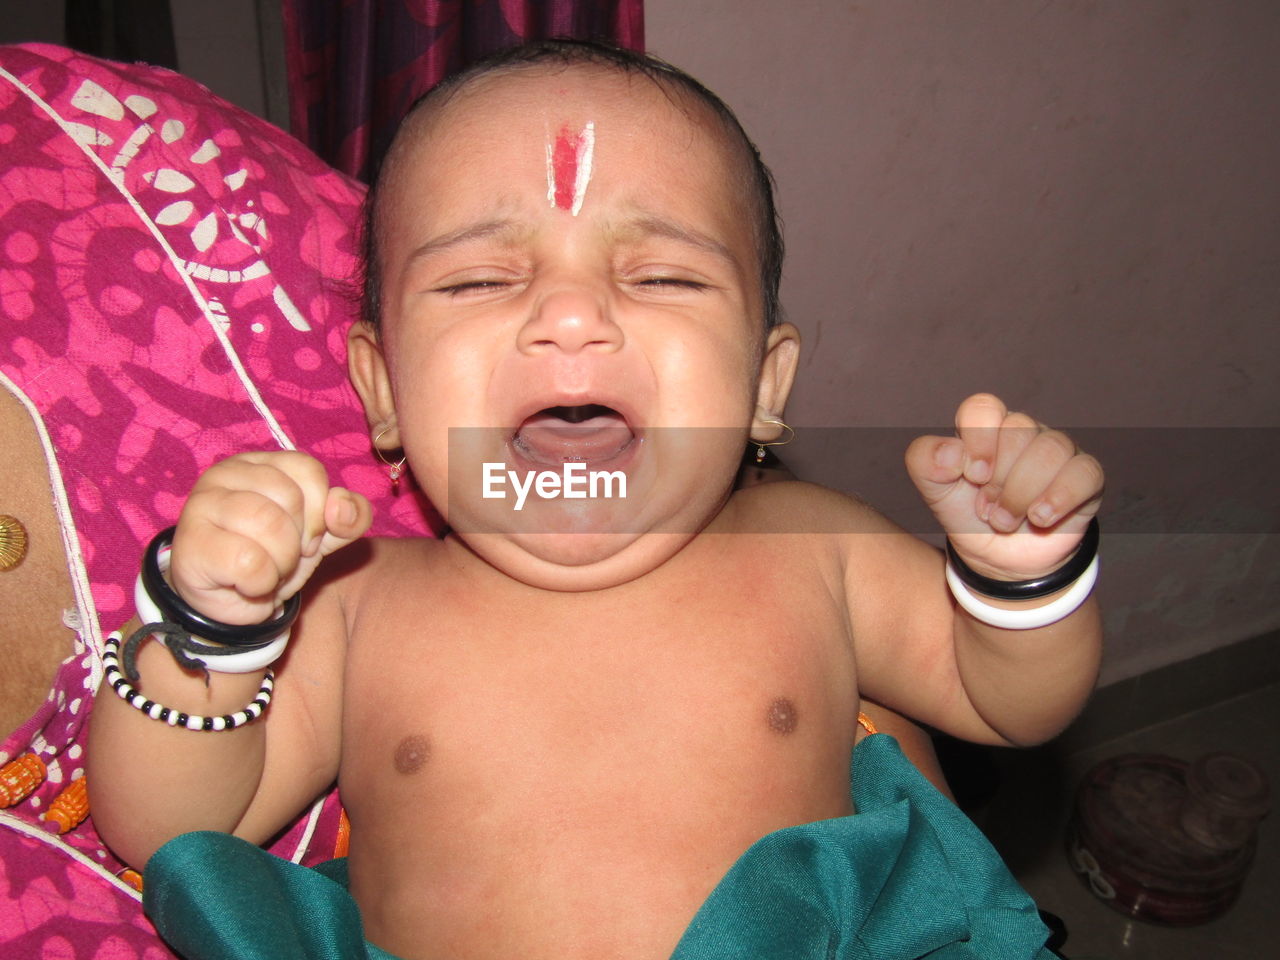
point(717, 697)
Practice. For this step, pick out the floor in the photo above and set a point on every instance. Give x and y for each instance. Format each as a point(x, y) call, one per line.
point(1027, 815)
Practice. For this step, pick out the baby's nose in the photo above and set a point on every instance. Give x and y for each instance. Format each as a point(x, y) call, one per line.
point(570, 320)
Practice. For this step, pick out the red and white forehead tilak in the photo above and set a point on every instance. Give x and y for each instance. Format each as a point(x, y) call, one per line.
point(569, 160)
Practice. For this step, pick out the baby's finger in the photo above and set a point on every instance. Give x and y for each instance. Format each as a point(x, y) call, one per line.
point(1016, 433)
point(309, 479)
point(291, 480)
point(244, 564)
point(1031, 475)
point(347, 517)
point(978, 421)
point(1076, 488)
point(247, 540)
point(934, 465)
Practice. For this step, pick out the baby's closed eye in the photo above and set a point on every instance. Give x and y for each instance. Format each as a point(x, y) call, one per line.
point(673, 282)
point(471, 286)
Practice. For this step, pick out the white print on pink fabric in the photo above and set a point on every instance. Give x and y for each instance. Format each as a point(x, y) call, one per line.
point(225, 242)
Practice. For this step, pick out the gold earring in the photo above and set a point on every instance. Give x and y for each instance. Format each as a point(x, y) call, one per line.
point(760, 445)
point(395, 470)
point(13, 542)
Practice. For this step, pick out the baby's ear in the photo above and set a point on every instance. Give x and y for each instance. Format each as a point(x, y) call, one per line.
point(367, 367)
point(777, 374)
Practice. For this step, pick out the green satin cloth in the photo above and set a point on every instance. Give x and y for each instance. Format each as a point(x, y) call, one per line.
point(908, 876)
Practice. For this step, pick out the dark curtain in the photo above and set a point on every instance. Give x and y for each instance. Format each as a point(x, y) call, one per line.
point(355, 66)
point(126, 30)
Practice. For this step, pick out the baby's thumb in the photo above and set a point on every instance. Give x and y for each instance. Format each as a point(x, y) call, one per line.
point(934, 465)
point(347, 516)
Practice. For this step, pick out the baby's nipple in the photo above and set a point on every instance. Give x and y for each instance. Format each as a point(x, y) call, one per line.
point(412, 754)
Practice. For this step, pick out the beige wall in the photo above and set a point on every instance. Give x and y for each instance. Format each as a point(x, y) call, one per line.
point(1072, 204)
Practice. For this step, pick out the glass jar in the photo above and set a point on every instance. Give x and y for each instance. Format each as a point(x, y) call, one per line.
point(1162, 840)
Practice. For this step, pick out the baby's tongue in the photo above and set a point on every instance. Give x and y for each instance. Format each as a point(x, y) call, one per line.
point(562, 434)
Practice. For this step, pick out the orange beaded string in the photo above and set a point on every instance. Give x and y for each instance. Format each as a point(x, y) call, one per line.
point(70, 807)
point(344, 835)
point(18, 778)
point(132, 877)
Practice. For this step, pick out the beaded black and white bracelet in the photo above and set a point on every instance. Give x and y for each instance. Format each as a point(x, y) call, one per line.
point(177, 718)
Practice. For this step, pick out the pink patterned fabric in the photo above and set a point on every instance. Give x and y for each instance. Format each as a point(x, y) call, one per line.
point(176, 281)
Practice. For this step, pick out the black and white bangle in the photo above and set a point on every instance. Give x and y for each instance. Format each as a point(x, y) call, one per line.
point(244, 648)
point(177, 718)
point(1059, 579)
point(1076, 577)
point(176, 610)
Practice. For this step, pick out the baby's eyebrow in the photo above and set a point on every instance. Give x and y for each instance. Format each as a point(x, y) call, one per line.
point(651, 225)
point(504, 229)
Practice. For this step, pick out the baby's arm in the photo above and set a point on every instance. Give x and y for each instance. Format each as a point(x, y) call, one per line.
point(1015, 499)
point(252, 532)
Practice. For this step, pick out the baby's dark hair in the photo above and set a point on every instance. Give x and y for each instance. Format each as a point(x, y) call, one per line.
point(767, 226)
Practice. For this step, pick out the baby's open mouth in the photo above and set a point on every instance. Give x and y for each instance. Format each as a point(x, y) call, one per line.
point(588, 433)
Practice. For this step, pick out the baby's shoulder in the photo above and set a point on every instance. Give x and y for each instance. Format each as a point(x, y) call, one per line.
point(349, 573)
point(794, 506)
point(400, 557)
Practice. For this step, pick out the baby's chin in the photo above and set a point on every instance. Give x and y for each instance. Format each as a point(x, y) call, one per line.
point(624, 525)
point(576, 562)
